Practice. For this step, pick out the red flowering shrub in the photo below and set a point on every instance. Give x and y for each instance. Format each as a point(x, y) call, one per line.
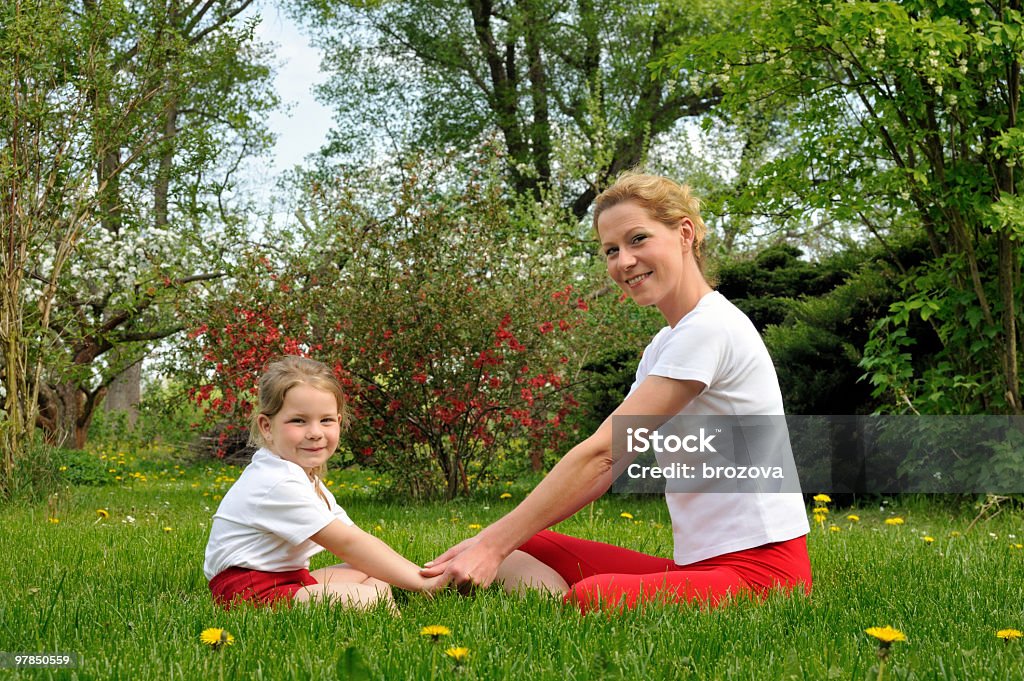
point(456, 332)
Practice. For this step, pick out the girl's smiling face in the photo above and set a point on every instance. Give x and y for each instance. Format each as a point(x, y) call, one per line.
point(306, 429)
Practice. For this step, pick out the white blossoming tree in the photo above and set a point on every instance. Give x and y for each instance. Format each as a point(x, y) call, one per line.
point(121, 126)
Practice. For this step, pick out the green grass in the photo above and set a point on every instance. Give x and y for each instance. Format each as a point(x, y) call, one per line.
point(130, 598)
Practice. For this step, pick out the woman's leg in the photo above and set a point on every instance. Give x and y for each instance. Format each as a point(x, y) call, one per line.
point(575, 559)
point(755, 571)
point(707, 585)
point(553, 561)
point(520, 572)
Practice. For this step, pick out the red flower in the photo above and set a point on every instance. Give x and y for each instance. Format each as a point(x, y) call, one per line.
point(420, 378)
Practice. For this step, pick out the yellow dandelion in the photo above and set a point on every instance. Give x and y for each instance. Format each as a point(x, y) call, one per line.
point(1009, 634)
point(823, 498)
point(627, 516)
point(216, 638)
point(853, 518)
point(505, 495)
point(887, 635)
point(474, 526)
point(53, 521)
point(435, 631)
point(457, 654)
point(834, 528)
point(63, 468)
point(103, 513)
point(928, 540)
point(820, 510)
point(168, 529)
point(894, 521)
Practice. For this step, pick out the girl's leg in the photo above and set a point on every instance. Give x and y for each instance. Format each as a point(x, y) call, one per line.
point(349, 586)
point(347, 594)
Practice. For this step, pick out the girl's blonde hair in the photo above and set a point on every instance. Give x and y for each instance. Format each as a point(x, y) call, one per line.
point(281, 376)
point(666, 201)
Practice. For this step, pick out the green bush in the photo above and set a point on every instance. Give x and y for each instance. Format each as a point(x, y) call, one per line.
point(454, 319)
point(78, 467)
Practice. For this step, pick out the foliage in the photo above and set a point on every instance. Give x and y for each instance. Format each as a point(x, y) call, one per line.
point(165, 416)
point(81, 467)
point(122, 126)
point(902, 118)
point(767, 285)
point(818, 348)
point(564, 87)
point(454, 331)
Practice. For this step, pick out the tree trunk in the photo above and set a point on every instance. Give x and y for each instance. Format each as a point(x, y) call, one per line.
point(124, 394)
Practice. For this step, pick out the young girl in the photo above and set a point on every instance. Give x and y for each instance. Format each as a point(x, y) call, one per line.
point(278, 513)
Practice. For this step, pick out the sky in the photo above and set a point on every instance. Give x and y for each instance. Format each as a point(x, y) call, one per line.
point(302, 123)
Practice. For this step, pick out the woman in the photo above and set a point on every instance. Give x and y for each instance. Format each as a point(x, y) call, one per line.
point(709, 360)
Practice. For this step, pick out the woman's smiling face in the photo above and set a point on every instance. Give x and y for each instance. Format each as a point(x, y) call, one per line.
point(643, 256)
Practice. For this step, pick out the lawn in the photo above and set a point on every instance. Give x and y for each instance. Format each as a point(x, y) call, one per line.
point(127, 595)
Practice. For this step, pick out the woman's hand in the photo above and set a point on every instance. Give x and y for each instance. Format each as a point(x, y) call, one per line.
point(469, 564)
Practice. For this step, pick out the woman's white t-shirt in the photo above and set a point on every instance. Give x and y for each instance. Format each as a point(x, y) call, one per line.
point(266, 519)
point(717, 345)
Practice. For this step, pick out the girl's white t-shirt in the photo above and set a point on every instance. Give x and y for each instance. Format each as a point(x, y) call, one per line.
point(266, 519)
point(718, 345)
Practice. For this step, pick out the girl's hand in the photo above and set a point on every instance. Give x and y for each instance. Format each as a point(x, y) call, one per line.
point(432, 585)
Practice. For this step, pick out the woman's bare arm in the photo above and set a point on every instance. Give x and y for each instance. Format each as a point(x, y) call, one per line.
point(582, 475)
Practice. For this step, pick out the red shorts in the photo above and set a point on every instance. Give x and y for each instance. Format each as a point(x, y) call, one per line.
point(606, 575)
point(256, 586)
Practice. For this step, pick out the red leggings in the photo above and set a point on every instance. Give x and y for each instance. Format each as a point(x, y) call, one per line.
point(603, 575)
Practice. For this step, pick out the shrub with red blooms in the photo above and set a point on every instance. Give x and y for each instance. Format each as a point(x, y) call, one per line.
point(455, 330)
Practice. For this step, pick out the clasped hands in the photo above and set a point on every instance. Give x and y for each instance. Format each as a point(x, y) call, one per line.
point(466, 566)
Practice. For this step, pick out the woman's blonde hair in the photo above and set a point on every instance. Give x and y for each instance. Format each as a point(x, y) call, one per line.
point(666, 201)
point(282, 375)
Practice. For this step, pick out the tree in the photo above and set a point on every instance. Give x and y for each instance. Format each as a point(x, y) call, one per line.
point(564, 87)
point(906, 122)
point(122, 126)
